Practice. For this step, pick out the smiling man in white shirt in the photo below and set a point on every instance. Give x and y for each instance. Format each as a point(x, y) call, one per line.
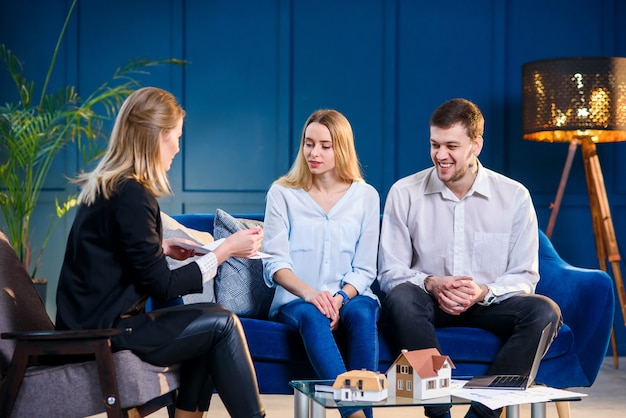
point(459, 247)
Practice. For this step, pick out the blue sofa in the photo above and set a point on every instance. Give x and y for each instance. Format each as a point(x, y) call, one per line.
point(584, 295)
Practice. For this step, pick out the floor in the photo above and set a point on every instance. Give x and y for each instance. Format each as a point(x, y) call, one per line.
point(606, 398)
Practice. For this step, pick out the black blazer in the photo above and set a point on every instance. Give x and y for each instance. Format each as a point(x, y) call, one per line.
point(114, 260)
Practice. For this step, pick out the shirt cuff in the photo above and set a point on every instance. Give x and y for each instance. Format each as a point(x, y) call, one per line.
point(208, 266)
point(423, 282)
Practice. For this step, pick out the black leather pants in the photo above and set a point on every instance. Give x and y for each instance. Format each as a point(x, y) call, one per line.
point(212, 350)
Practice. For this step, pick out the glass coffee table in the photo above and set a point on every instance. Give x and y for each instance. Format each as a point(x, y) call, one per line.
point(311, 404)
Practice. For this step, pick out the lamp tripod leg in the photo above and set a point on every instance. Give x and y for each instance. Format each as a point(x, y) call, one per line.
point(561, 190)
point(604, 232)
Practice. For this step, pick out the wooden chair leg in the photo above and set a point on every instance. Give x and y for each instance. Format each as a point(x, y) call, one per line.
point(107, 378)
point(563, 409)
point(164, 401)
point(13, 380)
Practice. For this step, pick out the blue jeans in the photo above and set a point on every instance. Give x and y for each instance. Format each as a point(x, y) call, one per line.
point(356, 337)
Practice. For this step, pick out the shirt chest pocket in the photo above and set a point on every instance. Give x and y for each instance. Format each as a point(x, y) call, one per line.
point(490, 252)
point(348, 237)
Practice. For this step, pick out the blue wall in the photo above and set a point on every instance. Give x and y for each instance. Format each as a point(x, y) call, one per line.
point(258, 68)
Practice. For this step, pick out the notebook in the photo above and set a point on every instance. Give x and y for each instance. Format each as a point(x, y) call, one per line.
point(513, 382)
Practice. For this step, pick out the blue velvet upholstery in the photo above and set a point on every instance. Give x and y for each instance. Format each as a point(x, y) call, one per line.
point(584, 295)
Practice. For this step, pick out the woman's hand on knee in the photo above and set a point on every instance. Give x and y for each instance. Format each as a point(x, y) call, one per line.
point(324, 302)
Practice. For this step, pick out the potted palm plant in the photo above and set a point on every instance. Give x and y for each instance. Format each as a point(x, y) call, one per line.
point(35, 129)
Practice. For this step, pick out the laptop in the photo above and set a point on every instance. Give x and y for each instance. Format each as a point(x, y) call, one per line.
point(513, 382)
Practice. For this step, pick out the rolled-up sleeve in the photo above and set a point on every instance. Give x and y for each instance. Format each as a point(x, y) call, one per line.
point(275, 236)
point(363, 271)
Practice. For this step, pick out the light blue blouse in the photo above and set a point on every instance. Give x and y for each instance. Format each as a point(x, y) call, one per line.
point(324, 250)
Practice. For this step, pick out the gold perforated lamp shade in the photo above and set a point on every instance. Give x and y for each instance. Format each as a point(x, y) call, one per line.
point(574, 98)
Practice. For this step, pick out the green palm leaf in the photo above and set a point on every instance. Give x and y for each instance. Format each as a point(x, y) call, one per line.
point(31, 137)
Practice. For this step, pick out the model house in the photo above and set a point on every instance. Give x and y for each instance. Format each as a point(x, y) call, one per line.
point(360, 385)
point(420, 374)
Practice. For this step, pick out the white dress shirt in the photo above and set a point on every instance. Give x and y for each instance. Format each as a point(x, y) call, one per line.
point(324, 250)
point(490, 234)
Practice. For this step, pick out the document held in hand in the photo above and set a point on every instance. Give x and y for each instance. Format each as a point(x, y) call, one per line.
point(204, 249)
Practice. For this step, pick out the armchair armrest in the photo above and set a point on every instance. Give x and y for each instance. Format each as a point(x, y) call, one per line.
point(83, 334)
point(586, 299)
point(31, 344)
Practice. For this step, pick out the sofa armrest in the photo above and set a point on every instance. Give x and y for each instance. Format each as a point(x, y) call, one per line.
point(586, 299)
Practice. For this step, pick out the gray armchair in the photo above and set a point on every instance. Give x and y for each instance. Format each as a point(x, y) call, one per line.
point(86, 378)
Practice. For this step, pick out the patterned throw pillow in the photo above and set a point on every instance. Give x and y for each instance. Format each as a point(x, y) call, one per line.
point(239, 285)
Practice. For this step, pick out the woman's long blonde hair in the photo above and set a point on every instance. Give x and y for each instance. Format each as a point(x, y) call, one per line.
point(134, 151)
point(346, 160)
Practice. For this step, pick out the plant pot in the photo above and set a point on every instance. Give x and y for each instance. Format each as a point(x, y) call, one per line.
point(41, 286)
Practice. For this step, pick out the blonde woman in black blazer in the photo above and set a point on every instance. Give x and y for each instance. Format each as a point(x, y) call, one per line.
point(115, 260)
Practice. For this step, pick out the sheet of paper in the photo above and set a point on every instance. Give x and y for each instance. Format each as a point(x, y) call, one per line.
point(496, 398)
point(204, 249)
point(324, 388)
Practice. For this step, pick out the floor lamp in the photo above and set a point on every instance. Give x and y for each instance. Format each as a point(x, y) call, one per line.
point(581, 101)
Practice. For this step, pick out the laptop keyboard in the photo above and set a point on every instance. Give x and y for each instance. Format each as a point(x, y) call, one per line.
point(508, 381)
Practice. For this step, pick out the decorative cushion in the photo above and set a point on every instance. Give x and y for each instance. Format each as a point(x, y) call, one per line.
point(239, 285)
point(173, 229)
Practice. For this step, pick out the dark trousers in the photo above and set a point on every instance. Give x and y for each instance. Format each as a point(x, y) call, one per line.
point(209, 343)
point(413, 315)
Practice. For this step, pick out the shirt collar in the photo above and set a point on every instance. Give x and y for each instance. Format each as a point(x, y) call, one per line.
point(480, 186)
